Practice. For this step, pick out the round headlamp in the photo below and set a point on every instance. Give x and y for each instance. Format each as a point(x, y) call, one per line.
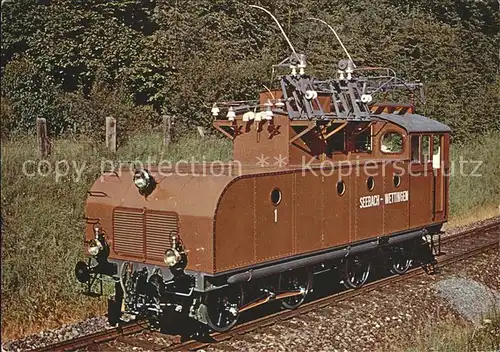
point(94, 247)
point(142, 179)
point(171, 257)
point(140, 183)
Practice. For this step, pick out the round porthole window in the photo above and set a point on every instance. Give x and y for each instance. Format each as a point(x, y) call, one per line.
point(276, 196)
point(397, 180)
point(340, 188)
point(370, 183)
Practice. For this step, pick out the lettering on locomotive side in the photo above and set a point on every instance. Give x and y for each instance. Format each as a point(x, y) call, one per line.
point(388, 198)
point(369, 201)
point(396, 197)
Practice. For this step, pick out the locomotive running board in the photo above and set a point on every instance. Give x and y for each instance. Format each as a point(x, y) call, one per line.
point(253, 274)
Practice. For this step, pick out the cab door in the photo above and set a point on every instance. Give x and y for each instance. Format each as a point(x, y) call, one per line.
point(438, 166)
point(421, 181)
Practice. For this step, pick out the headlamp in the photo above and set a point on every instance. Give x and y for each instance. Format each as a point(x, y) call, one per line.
point(94, 247)
point(140, 183)
point(142, 179)
point(171, 257)
point(144, 182)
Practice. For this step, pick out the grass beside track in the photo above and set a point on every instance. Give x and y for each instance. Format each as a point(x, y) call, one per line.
point(42, 221)
point(453, 336)
point(473, 192)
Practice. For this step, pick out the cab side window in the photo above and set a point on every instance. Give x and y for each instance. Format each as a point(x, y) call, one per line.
point(391, 142)
point(436, 151)
point(426, 149)
point(363, 141)
point(415, 148)
point(436, 144)
point(336, 142)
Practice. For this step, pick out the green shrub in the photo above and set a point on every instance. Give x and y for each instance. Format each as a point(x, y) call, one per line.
point(179, 57)
point(8, 117)
point(33, 94)
point(29, 95)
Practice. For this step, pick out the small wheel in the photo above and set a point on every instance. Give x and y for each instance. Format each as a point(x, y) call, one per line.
point(400, 262)
point(223, 307)
point(357, 271)
point(295, 280)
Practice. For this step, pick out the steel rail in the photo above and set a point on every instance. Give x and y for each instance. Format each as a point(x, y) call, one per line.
point(132, 328)
point(473, 231)
point(97, 338)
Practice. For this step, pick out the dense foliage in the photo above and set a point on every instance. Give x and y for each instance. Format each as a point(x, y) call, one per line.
point(76, 61)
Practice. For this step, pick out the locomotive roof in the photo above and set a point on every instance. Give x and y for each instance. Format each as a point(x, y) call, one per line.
point(414, 123)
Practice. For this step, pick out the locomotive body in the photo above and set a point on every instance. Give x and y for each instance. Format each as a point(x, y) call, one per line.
point(321, 179)
point(227, 219)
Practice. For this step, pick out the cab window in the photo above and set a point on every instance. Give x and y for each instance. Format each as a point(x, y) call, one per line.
point(363, 141)
point(426, 149)
point(436, 151)
point(436, 144)
point(392, 142)
point(415, 148)
point(336, 142)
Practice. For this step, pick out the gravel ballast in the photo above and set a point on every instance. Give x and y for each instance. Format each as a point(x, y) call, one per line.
point(66, 332)
point(470, 298)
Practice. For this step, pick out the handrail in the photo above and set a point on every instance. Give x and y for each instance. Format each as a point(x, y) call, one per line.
point(97, 194)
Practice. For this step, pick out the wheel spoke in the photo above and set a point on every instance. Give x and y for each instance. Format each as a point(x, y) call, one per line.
point(296, 280)
point(400, 262)
point(356, 272)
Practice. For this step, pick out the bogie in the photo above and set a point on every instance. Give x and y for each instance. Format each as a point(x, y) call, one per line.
point(146, 293)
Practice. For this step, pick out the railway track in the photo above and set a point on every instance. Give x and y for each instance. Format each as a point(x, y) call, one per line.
point(453, 248)
point(96, 338)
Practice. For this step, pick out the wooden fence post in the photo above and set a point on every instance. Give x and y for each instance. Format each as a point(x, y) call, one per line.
point(111, 133)
point(201, 131)
point(41, 136)
point(167, 130)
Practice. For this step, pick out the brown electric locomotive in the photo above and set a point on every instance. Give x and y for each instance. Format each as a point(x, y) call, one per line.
point(323, 178)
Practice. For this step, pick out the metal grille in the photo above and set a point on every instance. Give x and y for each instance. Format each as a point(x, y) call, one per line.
point(142, 234)
point(159, 230)
point(128, 231)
